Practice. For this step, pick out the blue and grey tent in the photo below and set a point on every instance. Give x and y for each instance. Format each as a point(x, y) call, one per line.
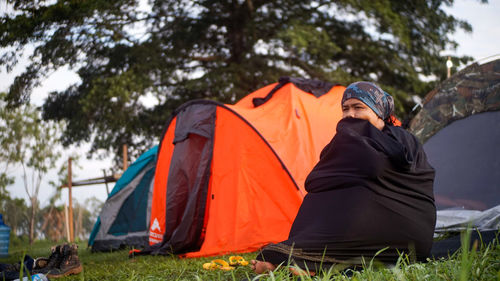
point(124, 218)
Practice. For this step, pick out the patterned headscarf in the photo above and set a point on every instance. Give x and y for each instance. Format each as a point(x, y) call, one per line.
point(373, 96)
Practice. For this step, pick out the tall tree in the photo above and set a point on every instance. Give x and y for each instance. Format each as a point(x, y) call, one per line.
point(177, 50)
point(7, 151)
point(15, 213)
point(28, 142)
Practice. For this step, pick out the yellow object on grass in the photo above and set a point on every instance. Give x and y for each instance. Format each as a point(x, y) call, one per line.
point(217, 264)
point(237, 260)
point(223, 265)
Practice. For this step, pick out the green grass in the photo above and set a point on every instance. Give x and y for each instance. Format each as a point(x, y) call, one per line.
point(480, 264)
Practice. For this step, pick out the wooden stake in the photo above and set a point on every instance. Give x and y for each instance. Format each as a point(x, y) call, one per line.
point(125, 160)
point(71, 229)
point(449, 65)
point(66, 220)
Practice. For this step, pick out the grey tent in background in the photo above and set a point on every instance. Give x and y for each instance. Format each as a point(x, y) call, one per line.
point(124, 218)
point(459, 125)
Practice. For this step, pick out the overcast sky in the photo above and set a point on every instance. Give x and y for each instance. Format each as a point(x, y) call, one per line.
point(482, 44)
point(484, 41)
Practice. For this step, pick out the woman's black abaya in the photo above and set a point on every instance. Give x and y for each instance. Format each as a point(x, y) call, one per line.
point(371, 190)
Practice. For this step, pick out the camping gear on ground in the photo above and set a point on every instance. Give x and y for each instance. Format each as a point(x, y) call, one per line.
point(453, 223)
point(459, 125)
point(124, 218)
point(447, 247)
point(459, 220)
point(230, 178)
point(11, 271)
point(4, 238)
point(35, 277)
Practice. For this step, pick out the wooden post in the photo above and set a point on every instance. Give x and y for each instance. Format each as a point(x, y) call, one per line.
point(125, 160)
point(71, 229)
point(449, 65)
point(66, 220)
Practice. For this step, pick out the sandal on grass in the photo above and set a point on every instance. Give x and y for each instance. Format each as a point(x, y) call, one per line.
point(223, 265)
point(237, 260)
point(218, 264)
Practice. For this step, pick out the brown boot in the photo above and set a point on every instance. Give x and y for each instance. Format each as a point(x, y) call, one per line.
point(44, 265)
point(70, 263)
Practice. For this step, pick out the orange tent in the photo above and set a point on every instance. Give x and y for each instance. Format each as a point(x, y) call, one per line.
point(230, 178)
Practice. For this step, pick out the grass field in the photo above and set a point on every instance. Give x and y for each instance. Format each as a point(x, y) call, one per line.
point(483, 264)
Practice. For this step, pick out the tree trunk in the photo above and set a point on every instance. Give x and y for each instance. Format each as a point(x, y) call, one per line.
point(60, 226)
point(78, 222)
point(32, 219)
point(47, 219)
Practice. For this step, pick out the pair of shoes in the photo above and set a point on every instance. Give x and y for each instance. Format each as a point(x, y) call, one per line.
point(222, 264)
point(62, 261)
point(218, 264)
point(43, 265)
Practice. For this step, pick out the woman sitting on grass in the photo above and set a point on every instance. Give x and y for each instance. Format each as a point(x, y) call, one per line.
point(370, 190)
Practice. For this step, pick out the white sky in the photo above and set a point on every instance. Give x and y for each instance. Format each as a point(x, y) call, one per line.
point(482, 43)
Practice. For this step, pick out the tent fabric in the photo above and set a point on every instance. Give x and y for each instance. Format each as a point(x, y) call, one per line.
point(460, 220)
point(472, 144)
point(459, 127)
point(473, 90)
point(295, 123)
point(258, 160)
point(253, 199)
point(130, 216)
point(448, 246)
point(124, 218)
point(315, 87)
point(188, 179)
